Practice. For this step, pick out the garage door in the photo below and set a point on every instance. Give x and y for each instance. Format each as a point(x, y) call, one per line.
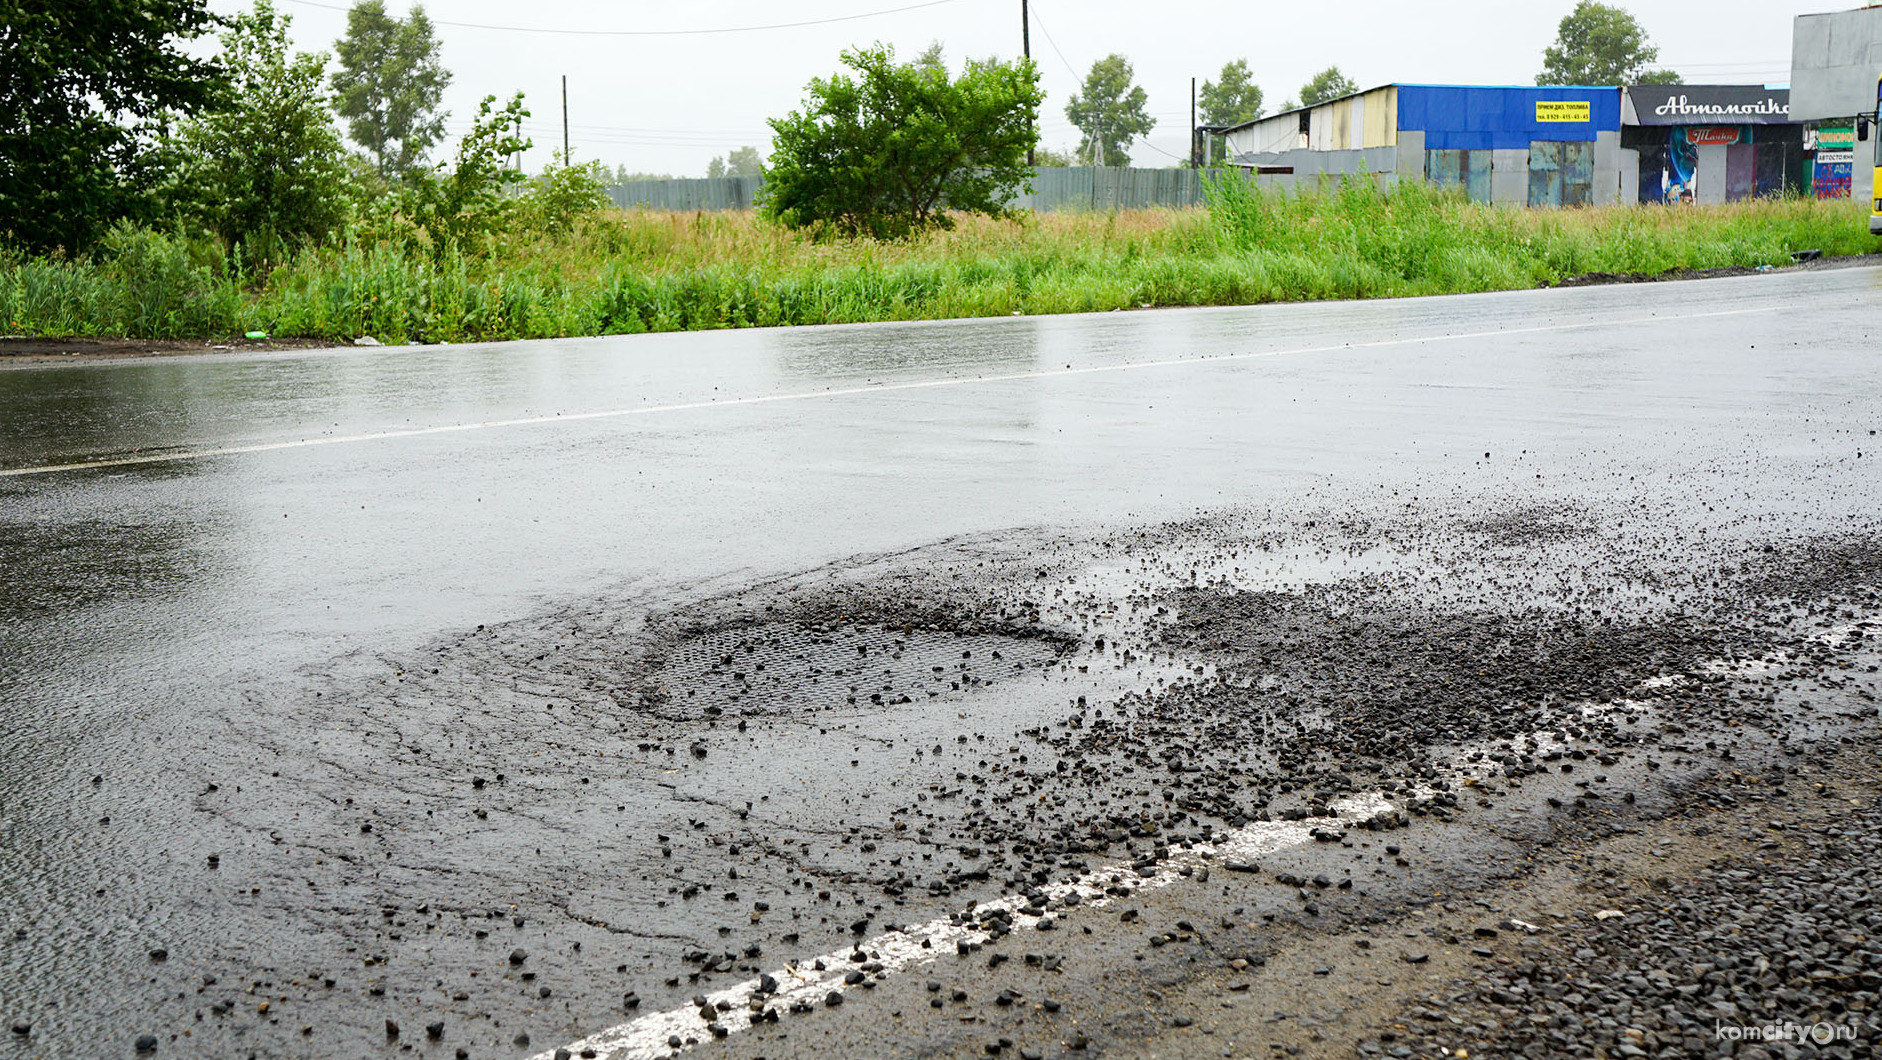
point(1561, 173)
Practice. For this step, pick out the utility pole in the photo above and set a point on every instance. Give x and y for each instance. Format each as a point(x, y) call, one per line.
point(1025, 48)
point(1194, 161)
point(565, 120)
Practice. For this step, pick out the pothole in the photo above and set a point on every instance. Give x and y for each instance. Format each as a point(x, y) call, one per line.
point(787, 668)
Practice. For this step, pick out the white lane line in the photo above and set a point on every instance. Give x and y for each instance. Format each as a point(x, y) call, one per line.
point(652, 1037)
point(807, 395)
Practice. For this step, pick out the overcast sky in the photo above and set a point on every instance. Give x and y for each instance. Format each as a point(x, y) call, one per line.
point(669, 103)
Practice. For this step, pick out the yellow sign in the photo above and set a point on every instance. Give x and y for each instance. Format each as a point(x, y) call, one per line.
point(1564, 110)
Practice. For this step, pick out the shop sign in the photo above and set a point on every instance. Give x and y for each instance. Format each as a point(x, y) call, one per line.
point(1836, 138)
point(1712, 135)
point(1716, 104)
point(1833, 171)
point(1564, 110)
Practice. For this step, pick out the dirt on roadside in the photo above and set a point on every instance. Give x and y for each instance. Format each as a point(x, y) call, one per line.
point(1601, 279)
point(1565, 956)
point(19, 350)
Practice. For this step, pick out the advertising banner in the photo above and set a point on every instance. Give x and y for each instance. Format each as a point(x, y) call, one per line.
point(1836, 138)
point(1682, 169)
point(1708, 104)
point(1833, 169)
point(1550, 110)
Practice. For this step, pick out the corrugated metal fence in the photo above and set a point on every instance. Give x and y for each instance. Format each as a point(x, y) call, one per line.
point(1078, 188)
point(1111, 188)
point(708, 193)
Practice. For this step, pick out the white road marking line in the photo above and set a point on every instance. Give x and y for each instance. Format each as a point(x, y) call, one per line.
point(883, 388)
point(647, 1038)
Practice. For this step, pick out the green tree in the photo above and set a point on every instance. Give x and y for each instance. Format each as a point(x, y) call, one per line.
point(565, 194)
point(389, 84)
point(1046, 157)
point(1110, 112)
point(1600, 44)
point(1327, 84)
point(932, 61)
point(84, 88)
point(267, 166)
point(1233, 99)
point(741, 162)
point(466, 206)
point(886, 153)
point(745, 162)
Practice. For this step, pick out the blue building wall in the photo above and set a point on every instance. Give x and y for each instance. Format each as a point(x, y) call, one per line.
point(1467, 118)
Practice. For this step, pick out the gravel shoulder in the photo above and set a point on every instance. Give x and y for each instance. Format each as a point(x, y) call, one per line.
point(17, 350)
point(1598, 279)
point(1748, 906)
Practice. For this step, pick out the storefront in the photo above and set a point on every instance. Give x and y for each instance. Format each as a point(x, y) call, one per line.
point(1712, 143)
point(1507, 144)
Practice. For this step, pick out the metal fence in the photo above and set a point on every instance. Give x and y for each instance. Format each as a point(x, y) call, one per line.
point(709, 193)
point(1077, 188)
point(1111, 188)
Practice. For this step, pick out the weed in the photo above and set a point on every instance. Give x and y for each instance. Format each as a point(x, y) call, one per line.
point(638, 271)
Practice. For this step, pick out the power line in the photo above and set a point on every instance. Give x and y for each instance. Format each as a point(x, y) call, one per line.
point(655, 32)
point(1082, 135)
point(1145, 140)
point(1764, 63)
point(1074, 72)
point(1055, 44)
point(466, 123)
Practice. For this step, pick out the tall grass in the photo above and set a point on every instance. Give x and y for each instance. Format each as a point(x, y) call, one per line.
point(144, 284)
point(624, 273)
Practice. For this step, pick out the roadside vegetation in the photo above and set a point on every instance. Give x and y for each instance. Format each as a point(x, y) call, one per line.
point(205, 198)
point(545, 273)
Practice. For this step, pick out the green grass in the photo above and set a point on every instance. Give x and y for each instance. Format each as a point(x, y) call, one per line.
point(624, 273)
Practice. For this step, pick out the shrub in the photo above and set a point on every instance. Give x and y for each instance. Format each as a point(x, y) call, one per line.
point(890, 152)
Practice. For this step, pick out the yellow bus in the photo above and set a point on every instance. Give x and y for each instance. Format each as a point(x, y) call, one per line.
point(1875, 187)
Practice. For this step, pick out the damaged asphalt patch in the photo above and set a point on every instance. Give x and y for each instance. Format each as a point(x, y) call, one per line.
point(1019, 794)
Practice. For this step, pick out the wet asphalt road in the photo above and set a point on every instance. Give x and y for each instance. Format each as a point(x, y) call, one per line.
point(346, 676)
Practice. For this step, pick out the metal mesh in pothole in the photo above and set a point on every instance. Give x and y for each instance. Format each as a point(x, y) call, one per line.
point(787, 668)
